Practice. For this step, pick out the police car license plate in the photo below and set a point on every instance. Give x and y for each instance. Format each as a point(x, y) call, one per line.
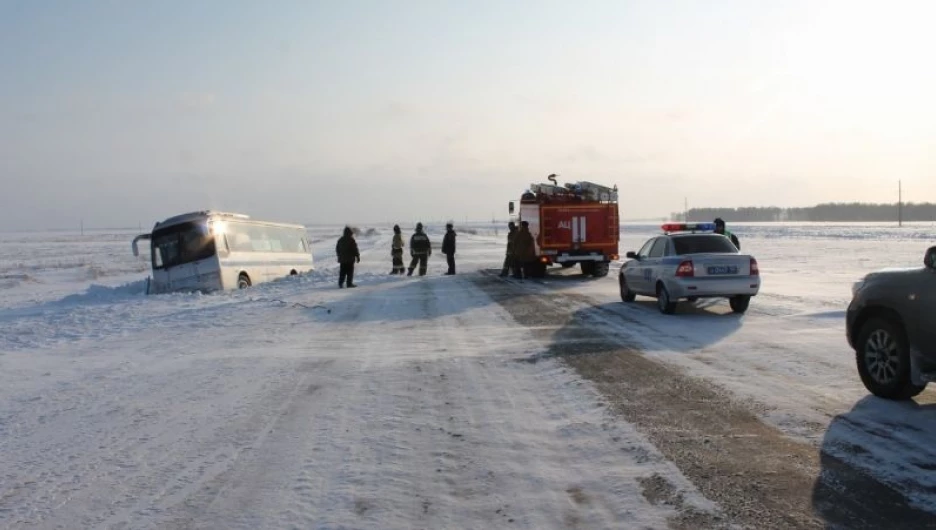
point(722, 269)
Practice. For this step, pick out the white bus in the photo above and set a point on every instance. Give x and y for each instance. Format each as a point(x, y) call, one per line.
point(213, 251)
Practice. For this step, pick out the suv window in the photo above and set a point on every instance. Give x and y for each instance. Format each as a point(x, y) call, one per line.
point(704, 244)
point(659, 248)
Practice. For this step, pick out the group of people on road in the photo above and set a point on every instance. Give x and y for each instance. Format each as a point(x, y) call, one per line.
point(518, 261)
point(420, 249)
point(521, 251)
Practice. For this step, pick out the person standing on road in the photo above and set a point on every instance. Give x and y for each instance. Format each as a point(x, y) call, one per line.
point(720, 229)
point(524, 248)
point(347, 252)
point(509, 257)
point(448, 248)
point(396, 251)
point(420, 249)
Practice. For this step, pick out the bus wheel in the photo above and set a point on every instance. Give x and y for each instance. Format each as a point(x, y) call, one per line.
point(243, 281)
point(293, 273)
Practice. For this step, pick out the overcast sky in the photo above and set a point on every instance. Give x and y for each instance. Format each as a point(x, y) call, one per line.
point(119, 112)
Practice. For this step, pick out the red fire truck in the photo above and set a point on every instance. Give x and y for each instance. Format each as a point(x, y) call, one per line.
point(574, 223)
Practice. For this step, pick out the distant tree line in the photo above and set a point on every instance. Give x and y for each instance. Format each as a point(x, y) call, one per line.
point(828, 212)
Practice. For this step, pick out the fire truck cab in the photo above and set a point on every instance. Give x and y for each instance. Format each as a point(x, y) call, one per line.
point(573, 224)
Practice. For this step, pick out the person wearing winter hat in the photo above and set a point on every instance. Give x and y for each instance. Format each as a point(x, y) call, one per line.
point(448, 248)
point(347, 252)
point(396, 251)
point(420, 249)
point(509, 256)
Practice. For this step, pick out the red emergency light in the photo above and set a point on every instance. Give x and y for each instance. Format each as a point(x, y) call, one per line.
point(688, 227)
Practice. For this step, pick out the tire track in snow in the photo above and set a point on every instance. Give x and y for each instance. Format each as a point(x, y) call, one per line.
point(759, 476)
point(459, 435)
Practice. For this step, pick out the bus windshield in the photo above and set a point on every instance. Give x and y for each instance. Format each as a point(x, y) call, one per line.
point(182, 243)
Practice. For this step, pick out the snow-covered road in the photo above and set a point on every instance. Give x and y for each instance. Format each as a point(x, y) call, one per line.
point(399, 404)
point(413, 402)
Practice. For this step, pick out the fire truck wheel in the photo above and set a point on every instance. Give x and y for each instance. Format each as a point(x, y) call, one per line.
point(601, 270)
point(568, 264)
point(588, 268)
point(538, 270)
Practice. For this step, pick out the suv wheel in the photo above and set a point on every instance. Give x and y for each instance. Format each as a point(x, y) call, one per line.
point(884, 360)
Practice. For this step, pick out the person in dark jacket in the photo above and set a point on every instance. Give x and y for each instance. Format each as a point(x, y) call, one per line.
point(448, 248)
point(420, 249)
point(348, 255)
point(720, 229)
point(509, 256)
point(396, 251)
point(524, 248)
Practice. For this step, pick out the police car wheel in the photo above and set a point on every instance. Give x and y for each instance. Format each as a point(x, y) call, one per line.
point(626, 294)
point(884, 360)
point(739, 304)
point(665, 305)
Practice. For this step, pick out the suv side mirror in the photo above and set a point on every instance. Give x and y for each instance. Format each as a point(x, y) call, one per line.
point(632, 255)
point(929, 260)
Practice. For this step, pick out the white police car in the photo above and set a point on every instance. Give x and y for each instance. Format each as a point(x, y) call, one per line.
point(690, 261)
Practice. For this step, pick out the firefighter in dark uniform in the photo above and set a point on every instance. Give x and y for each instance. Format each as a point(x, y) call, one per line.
point(396, 251)
point(720, 229)
point(348, 255)
point(524, 248)
point(509, 257)
point(420, 249)
point(448, 248)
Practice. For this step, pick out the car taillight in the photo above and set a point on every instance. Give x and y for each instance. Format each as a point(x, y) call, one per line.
point(685, 270)
point(755, 271)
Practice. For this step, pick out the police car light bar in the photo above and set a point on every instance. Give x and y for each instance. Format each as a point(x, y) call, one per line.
point(689, 227)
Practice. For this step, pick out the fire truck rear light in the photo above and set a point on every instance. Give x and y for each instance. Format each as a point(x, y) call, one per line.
point(615, 257)
point(544, 260)
point(685, 270)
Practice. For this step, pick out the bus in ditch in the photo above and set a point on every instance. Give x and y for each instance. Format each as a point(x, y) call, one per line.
point(215, 251)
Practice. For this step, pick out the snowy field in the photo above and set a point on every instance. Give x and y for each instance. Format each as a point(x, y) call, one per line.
point(402, 404)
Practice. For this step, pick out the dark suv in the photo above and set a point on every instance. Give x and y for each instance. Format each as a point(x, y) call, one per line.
point(891, 324)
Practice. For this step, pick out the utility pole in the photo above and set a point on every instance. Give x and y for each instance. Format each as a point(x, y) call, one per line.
point(686, 209)
point(899, 203)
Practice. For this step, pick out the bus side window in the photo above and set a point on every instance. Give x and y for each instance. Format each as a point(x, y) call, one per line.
point(222, 245)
